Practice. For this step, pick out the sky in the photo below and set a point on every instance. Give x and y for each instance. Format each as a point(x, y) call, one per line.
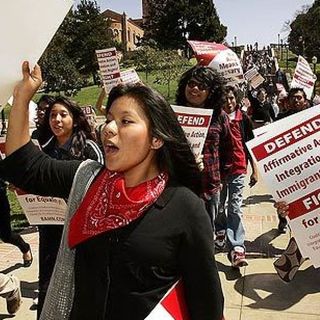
point(247, 20)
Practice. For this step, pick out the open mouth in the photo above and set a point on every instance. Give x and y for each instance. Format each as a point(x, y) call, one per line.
point(110, 148)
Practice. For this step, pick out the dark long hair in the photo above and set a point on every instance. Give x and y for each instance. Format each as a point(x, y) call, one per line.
point(175, 156)
point(211, 79)
point(81, 127)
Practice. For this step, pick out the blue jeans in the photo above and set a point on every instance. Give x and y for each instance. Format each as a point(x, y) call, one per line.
point(232, 222)
point(212, 205)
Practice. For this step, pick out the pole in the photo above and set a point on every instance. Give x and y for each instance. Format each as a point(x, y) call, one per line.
point(287, 57)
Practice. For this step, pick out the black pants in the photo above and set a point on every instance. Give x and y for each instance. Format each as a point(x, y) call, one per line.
point(6, 233)
point(49, 242)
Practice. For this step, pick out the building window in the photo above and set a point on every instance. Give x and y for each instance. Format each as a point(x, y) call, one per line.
point(129, 36)
point(134, 38)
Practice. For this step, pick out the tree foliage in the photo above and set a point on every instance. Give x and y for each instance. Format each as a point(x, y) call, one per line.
point(70, 57)
point(304, 37)
point(172, 22)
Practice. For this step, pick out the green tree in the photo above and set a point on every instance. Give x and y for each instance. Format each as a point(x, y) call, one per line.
point(89, 32)
point(58, 69)
point(304, 37)
point(146, 59)
point(172, 22)
point(170, 66)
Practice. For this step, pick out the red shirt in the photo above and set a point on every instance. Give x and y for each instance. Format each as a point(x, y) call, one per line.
point(239, 160)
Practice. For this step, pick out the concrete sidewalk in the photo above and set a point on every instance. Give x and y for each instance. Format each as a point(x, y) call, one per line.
point(256, 293)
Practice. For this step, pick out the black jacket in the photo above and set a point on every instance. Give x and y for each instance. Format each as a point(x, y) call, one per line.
point(123, 274)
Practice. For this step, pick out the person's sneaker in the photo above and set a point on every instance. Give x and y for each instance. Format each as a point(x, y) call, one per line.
point(14, 299)
point(237, 257)
point(220, 240)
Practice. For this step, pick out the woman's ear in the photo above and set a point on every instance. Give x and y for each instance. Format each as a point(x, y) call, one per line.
point(156, 143)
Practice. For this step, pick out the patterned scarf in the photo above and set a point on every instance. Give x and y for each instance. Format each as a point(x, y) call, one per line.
point(109, 205)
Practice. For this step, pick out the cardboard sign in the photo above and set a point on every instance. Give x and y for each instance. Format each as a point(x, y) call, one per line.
point(22, 39)
point(220, 58)
point(288, 158)
point(304, 77)
point(129, 76)
point(39, 210)
point(195, 123)
point(109, 68)
point(254, 77)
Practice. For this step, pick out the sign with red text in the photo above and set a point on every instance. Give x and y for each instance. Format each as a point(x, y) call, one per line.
point(288, 158)
point(41, 210)
point(303, 77)
point(195, 123)
point(220, 58)
point(109, 68)
point(22, 38)
point(38, 209)
point(172, 306)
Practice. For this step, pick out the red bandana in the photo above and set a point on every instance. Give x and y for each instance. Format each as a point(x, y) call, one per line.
point(109, 205)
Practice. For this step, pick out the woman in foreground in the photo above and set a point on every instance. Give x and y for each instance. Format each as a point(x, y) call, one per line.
point(134, 227)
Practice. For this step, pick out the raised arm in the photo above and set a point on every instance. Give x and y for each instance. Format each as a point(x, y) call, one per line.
point(18, 128)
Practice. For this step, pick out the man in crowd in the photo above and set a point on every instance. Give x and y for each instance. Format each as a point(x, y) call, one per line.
point(297, 101)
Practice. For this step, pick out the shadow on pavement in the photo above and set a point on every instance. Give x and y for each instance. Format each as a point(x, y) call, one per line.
point(282, 295)
point(12, 268)
point(257, 199)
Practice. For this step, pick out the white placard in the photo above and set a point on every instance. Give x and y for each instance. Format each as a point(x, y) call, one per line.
point(26, 28)
point(195, 123)
point(38, 209)
point(129, 76)
point(288, 158)
point(254, 77)
point(109, 68)
point(42, 210)
point(304, 77)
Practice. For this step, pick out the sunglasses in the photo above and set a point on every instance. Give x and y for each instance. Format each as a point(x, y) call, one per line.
point(201, 86)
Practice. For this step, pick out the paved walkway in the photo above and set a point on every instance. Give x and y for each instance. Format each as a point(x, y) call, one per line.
point(254, 294)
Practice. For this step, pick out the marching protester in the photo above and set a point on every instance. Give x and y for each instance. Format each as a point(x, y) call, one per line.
point(242, 131)
point(6, 233)
point(10, 290)
point(261, 111)
point(296, 101)
point(134, 226)
point(70, 138)
point(202, 87)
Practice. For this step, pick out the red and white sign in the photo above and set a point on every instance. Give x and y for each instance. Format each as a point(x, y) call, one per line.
point(172, 306)
point(288, 158)
point(304, 77)
point(109, 68)
point(220, 58)
point(195, 123)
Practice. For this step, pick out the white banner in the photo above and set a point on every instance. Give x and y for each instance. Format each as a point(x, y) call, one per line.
point(26, 28)
point(129, 76)
point(109, 68)
point(304, 77)
point(288, 158)
point(195, 123)
point(254, 77)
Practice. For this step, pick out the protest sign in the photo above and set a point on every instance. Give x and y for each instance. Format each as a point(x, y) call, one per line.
point(129, 76)
point(303, 77)
point(288, 158)
point(172, 306)
point(254, 77)
point(220, 58)
point(38, 209)
point(195, 123)
point(21, 40)
point(90, 115)
point(42, 210)
point(109, 68)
